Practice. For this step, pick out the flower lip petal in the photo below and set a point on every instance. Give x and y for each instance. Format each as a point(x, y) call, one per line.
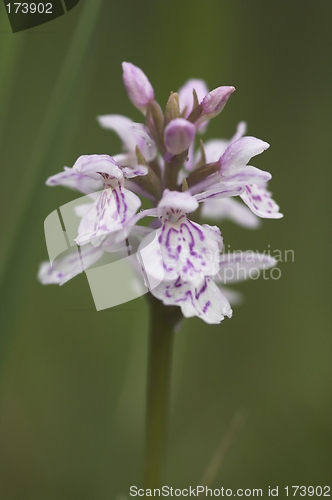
point(139, 89)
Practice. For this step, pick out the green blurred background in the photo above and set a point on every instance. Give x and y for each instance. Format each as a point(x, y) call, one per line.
point(72, 383)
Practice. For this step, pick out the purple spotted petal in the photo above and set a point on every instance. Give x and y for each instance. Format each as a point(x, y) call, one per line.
point(259, 200)
point(184, 250)
point(203, 299)
point(67, 267)
point(136, 171)
point(240, 266)
point(112, 211)
point(138, 87)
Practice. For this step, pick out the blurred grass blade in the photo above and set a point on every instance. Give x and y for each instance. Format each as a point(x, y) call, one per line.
point(10, 56)
point(69, 78)
point(226, 443)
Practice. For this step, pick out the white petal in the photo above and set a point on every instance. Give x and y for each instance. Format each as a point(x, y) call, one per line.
point(240, 266)
point(240, 131)
point(220, 190)
point(81, 210)
point(121, 125)
point(234, 297)
point(144, 141)
point(246, 175)
point(230, 208)
point(259, 200)
point(214, 149)
point(178, 201)
point(239, 153)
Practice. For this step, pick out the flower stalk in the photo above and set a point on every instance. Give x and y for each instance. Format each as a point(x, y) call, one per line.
point(161, 335)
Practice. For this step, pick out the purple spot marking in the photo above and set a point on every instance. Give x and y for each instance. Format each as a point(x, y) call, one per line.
point(207, 305)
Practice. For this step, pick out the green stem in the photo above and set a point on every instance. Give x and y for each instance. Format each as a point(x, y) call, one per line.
point(162, 321)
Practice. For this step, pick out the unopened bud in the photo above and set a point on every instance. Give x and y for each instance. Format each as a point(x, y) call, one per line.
point(138, 87)
point(178, 136)
point(214, 102)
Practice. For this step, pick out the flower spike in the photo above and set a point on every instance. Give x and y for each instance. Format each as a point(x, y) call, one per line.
point(178, 256)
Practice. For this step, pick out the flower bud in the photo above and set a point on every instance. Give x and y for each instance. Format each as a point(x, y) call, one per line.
point(214, 102)
point(178, 136)
point(138, 87)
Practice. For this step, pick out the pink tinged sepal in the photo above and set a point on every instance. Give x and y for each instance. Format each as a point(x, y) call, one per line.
point(230, 208)
point(202, 298)
point(105, 167)
point(67, 267)
point(234, 160)
point(260, 202)
point(178, 135)
point(215, 148)
point(217, 191)
point(99, 167)
point(73, 180)
point(214, 102)
point(240, 266)
point(186, 98)
point(138, 87)
point(112, 212)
